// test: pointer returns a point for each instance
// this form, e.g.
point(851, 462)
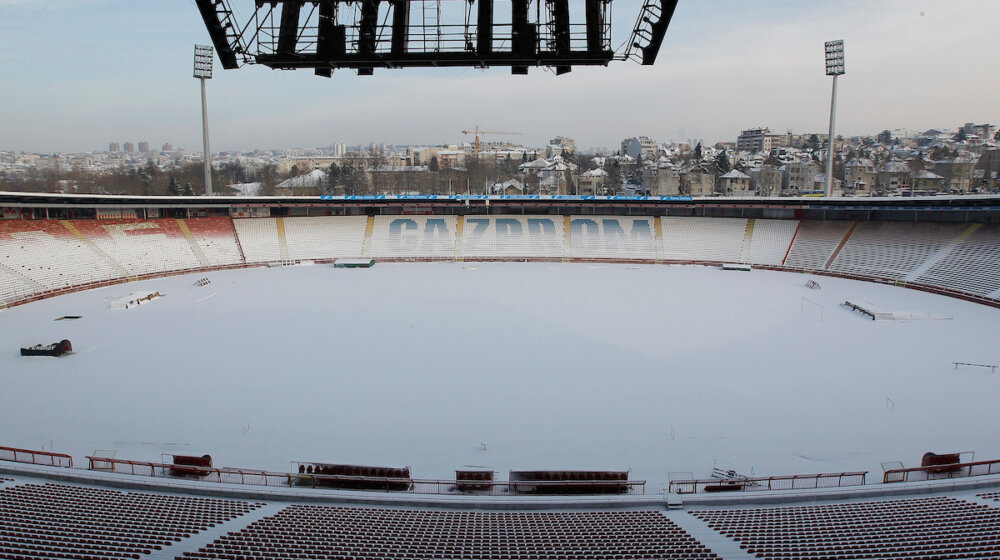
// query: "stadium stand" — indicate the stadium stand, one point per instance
point(306, 531)
point(703, 239)
point(216, 239)
point(769, 241)
point(972, 266)
point(39, 258)
point(606, 237)
point(325, 237)
point(141, 247)
point(13, 286)
point(512, 237)
point(937, 527)
point(259, 239)
point(48, 256)
point(414, 237)
point(892, 250)
point(815, 242)
point(68, 521)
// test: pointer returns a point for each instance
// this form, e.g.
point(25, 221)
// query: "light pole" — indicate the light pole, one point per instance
point(834, 67)
point(203, 57)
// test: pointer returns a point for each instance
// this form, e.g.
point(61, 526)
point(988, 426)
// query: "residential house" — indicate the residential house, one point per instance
point(735, 183)
point(661, 179)
point(860, 176)
point(893, 175)
point(799, 176)
point(957, 173)
point(640, 145)
point(927, 181)
point(697, 181)
point(766, 180)
point(591, 182)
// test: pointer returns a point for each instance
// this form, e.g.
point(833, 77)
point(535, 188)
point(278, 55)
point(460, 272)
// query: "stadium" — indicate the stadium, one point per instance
point(499, 377)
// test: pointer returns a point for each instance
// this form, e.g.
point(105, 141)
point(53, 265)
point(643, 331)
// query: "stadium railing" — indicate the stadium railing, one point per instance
point(787, 482)
point(209, 474)
point(957, 470)
point(385, 484)
point(36, 457)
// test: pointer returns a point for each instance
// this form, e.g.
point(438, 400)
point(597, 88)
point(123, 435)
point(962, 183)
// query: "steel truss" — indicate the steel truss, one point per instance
point(363, 35)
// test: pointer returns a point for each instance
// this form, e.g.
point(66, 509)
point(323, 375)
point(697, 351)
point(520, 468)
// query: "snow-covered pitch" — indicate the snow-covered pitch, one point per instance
point(437, 366)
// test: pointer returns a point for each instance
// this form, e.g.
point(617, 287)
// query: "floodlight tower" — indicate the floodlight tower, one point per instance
point(834, 67)
point(203, 57)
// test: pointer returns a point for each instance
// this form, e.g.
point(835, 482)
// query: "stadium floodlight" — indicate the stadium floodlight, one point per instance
point(203, 58)
point(834, 67)
point(834, 58)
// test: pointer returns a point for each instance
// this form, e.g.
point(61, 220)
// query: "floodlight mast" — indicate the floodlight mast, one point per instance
point(203, 58)
point(834, 67)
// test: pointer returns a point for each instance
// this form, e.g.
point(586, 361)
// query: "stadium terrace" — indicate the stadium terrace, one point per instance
point(248, 346)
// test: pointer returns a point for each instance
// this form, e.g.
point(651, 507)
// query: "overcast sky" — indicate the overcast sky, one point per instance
point(78, 74)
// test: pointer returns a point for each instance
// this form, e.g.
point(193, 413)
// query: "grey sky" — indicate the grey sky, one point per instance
point(79, 74)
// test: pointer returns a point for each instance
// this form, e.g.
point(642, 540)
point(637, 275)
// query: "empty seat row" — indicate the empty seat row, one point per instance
point(907, 528)
point(347, 532)
point(66, 521)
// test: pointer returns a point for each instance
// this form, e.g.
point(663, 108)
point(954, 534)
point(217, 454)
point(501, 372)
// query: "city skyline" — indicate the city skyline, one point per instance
point(111, 73)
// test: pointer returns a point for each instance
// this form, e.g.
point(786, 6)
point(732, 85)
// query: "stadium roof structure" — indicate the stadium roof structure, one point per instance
point(362, 35)
point(984, 208)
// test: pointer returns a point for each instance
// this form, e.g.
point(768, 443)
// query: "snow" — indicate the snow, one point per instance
point(311, 179)
point(651, 368)
point(246, 189)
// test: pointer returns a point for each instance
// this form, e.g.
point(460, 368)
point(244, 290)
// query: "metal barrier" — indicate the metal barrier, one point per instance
point(208, 474)
point(383, 484)
point(789, 482)
point(956, 470)
point(36, 457)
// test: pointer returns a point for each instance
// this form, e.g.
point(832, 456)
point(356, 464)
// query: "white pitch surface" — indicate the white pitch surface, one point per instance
point(569, 366)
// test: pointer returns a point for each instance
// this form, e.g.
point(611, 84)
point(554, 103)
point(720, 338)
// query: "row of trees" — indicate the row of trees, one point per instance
point(148, 180)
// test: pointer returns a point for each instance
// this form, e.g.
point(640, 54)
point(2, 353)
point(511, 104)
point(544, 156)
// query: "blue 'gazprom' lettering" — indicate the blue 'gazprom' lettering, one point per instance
point(541, 227)
point(614, 235)
point(436, 234)
point(584, 226)
point(508, 230)
point(479, 227)
point(474, 232)
point(397, 240)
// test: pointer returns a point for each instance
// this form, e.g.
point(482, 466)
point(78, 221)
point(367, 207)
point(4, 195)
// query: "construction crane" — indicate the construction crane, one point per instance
point(478, 132)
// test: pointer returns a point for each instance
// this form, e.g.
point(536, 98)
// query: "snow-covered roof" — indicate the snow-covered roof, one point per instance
point(924, 174)
point(311, 179)
point(860, 162)
point(540, 163)
point(510, 183)
point(894, 167)
point(734, 174)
